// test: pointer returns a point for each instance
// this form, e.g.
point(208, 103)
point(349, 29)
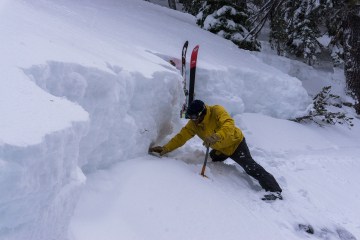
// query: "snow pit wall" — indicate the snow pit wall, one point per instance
point(127, 110)
point(40, 186)
point(41, 183)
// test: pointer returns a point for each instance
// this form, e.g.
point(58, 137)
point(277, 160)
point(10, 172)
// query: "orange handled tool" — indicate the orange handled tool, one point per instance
point(204, 165)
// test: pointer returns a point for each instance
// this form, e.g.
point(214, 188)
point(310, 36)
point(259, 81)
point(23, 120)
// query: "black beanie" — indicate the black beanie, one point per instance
point(195, 107)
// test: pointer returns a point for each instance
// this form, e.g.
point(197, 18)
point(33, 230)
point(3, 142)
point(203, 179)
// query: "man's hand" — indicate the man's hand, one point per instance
point(210, 140)
point(159, 149)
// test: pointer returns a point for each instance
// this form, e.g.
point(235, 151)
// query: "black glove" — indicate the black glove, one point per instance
point(159, 149)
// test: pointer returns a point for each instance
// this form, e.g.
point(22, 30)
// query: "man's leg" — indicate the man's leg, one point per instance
point(217, 156)
point(243, 157)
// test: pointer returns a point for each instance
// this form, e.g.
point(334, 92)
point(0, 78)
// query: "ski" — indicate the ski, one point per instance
point(193, 61)
point(183, 73)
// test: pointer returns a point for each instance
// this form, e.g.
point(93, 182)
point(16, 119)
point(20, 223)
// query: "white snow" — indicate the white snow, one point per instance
point(87, 86)
point(324, 40)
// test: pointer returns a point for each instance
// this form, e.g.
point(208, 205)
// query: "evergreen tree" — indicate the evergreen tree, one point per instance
point(278, 35)
point(229, 21)
point(326, 109)
point(332, 12)
point(342, 20)
point(352, 51)
point(304, 31)
point(294, 29)
point(192, 6)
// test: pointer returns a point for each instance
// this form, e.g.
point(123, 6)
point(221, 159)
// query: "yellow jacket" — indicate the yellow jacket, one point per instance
point(216, 120)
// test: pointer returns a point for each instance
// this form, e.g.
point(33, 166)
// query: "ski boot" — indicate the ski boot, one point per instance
point(272, 196)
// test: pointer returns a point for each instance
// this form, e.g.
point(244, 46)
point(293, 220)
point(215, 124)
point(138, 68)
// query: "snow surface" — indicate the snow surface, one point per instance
point(87, 86)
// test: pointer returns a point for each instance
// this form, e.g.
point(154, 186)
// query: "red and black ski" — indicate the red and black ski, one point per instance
point(183, 73)
point(193, 61)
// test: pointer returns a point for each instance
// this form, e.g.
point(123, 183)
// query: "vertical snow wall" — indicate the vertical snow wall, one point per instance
point(42, 182)
point(126, 109)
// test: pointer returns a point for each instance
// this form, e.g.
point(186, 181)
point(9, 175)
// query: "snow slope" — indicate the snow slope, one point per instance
point(87, 86)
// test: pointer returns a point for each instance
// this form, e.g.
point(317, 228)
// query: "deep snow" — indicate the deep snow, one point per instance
point(86, 87)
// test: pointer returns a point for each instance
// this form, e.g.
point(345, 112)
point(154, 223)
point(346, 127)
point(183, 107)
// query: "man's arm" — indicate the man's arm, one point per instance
point(180, 139)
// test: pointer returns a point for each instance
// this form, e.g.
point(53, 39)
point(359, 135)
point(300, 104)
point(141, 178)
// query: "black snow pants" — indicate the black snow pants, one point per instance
point(243, 157)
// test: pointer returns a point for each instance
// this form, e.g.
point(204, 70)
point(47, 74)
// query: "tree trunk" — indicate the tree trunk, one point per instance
point(172, 4)
point(352, 52)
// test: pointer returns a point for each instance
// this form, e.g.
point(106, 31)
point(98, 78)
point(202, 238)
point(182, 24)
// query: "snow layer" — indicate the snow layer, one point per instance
point(116, 102)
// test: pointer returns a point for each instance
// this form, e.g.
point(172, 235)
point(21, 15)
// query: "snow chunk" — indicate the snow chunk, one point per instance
point(245, 90)
point(40, 185)
point(117, 103)
point(29, 113)
point(225, 9)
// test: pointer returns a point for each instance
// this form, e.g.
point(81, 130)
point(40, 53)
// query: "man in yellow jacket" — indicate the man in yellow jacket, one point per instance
point(217, 129)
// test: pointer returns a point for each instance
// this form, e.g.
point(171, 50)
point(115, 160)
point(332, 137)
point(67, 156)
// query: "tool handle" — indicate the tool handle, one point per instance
point(205, 161)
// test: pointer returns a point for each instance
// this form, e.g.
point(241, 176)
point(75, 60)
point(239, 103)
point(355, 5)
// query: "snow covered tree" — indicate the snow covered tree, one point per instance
point(342, 22)
point(326, 109)
point(352, 51)
point(278, 36)
point(230, 21)
point(294, 29)
point(192, 6)
point(304, 31)
point(332, 12)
